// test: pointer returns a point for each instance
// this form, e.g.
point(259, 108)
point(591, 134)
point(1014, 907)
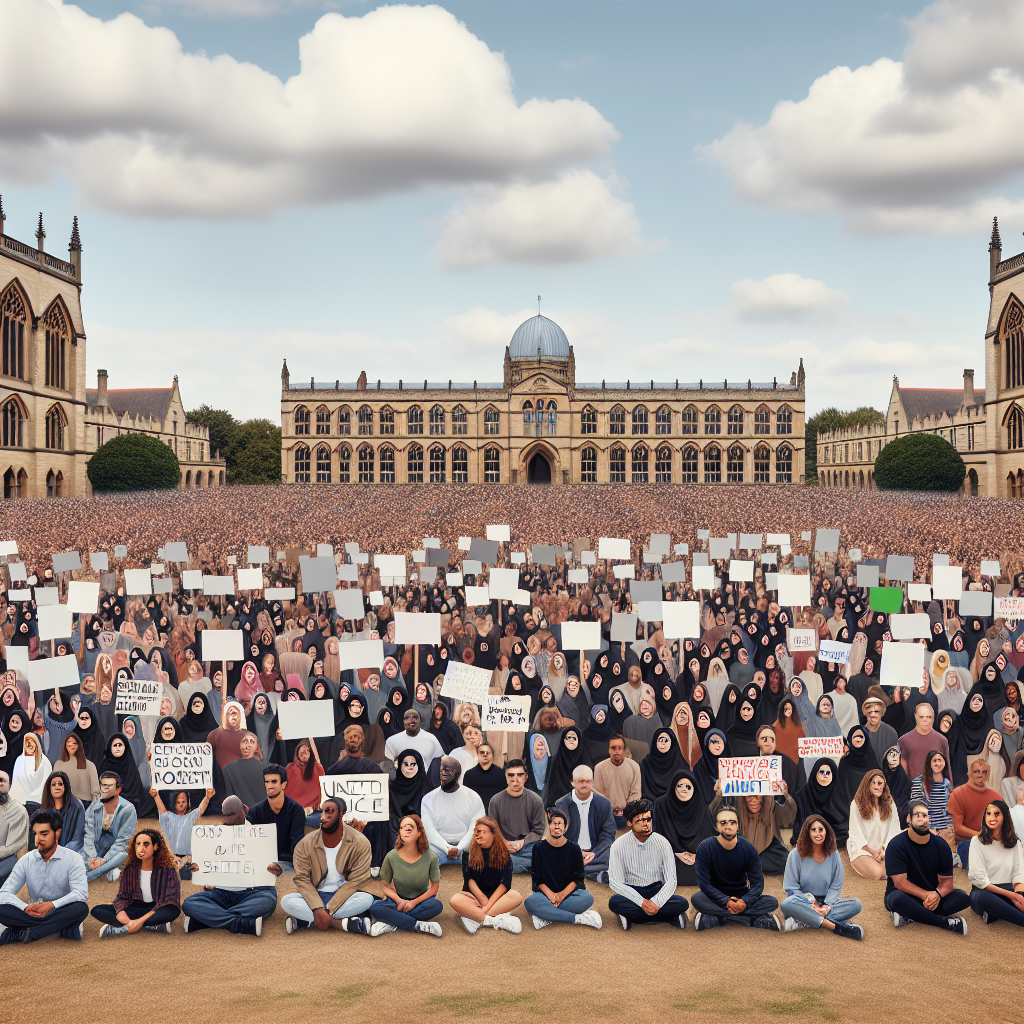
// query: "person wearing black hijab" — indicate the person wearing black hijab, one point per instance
point(975, 723)
point(948, 725)
point(388, 723)
point(408, 786)
point(897, 781)
point(89, 736)
point(743, 732)
point(728, 710)
point(685, 821)
point(198, 721)
point(597, 734)
point(714, 745)
point(15, 725)
point(618, 710)
point(558, 780)
point(662, 762)
point(445, 731)
point(819, 797)
point(853, 766)
point(121, 761)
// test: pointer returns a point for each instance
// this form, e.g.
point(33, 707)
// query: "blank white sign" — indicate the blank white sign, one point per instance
point(581, 636)
point(54, 621)
point(137, 581)
point(250, 579)
point(902, 664)
point(53, 673)
point(299, 719)
point(83, 596)
point(910, 627)
point(947, 582)
point(680, 620)
point(221, 645)
point(477, 596)
point(613, 547)
point(417, 628)
point(741, 571)
point(361, 654)
point(794, 591)
point(499, 533)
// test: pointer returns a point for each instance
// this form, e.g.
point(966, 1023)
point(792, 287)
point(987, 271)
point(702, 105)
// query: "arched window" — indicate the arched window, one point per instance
point(365, 420)
point(323, 464)
point(713, 465)
point(762, 417)
point(460, 421)
point(58, 336)
point(663, 420)
point(56, 423)
point(617, 465)
point(323, 420)
point(460, 465)
point(784, 464)
point(734, 465)
point(387, 465)
point(54, 484)
point(301, 420)
point(1012, 340)
point(414, 420)
point(344, 464)
point(762, 464)
point(492, 420)
point(13, 317)
point(617, 420)
point(437, 421)
point(437, 465)
point(12, 423)
point(640, 461)
point(640, 419)
point(688, 470)
point(492, 466)
point(688, 419)
point(188, 478)
point(344, 420)
point(414, 464)
point(588, 466)
point(366, 464)
point(784, 420)
point(302, 464)
point(735, 425)
point(713, 420)
point(552, 418)
point(1015, 428)
point(663, 465)
point(387, 421)
point(588, 420)
point(527, 418)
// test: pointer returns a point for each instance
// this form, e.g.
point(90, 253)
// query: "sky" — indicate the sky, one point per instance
point(704, 190)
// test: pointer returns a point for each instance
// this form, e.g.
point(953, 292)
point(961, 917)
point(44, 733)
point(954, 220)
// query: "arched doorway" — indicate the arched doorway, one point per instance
point(972, 482)
point(539, 470)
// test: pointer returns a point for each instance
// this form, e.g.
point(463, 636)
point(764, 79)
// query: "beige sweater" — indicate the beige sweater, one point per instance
point(619, 784)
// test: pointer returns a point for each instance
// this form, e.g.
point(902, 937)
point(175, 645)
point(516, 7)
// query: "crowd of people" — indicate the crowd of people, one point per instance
point(615, 781)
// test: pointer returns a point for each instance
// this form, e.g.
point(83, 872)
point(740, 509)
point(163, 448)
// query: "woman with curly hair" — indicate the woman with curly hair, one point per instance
point(874, 823)
point(487, 896)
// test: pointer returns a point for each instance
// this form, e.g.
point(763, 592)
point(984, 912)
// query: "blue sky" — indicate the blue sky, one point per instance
point(695, 189)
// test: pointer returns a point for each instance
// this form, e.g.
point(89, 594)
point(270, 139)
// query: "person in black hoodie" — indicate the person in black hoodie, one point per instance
point(485, 778)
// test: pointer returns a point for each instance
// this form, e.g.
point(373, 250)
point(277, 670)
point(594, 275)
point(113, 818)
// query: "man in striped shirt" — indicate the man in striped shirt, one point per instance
point(642, 873)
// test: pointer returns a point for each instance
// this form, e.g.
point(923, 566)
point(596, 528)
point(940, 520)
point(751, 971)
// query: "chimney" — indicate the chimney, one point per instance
point(968, 388)
point(101, 388)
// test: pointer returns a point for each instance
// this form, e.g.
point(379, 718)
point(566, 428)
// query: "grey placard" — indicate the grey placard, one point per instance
point(67, 561)
point(751, 541)
point(826, 540)
point(544, 554)
point(699, 558)
point(899, 567)
point(120, 550)
point(485, 551)
point(623, 627)
point(644, 590)
point(163, 585)
point(800, 561)
point(98, 561)
point(673, 572)
point(703, 534)
point(867, 575)
point(258, 554)
point(975, 602)
point(437, 556)
point(176, 551)
point(660, 543)
point(720, 547)
point(318, 574)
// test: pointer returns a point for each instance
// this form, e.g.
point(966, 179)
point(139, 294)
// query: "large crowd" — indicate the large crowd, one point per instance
point(618, 780)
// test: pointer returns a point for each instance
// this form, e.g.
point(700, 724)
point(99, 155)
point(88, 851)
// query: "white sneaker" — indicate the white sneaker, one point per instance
point(429, 928)
point(113, 876)
point(381, 928)
point(184, 922)
point(793, 925)
point(289, 925)
point(957, 863)
point(897, 921)
point(591, 918)
point(539, 922)
point(165, 927)
point(110, 931)
point(508, 923)
point(259, 926)
point(470, 925)
point(375, 872)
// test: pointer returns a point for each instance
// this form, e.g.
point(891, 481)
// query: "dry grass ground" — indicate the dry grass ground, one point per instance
point(568, 973)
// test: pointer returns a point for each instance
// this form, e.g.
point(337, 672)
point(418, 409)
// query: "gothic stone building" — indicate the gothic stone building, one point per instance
point(541, 426)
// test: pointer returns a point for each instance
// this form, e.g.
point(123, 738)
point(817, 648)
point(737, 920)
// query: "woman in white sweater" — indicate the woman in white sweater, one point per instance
point(874, 823)
point(996, 868)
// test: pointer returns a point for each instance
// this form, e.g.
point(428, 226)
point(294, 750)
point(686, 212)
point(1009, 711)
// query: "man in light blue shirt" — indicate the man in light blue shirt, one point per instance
point(57, 888)
point(109, 827)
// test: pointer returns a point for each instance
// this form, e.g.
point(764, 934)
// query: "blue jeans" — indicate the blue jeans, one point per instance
point(799, 908)
point(388, 912)
point(442, 856)
point(295, 906)
point(227, 909)
point(103, 845)
point(522, 860)
point(963, 848)
point(914, 909)
point(575, 903)
point(7, 866)
point(998, 908)
point(764, 904)
point(313, 820)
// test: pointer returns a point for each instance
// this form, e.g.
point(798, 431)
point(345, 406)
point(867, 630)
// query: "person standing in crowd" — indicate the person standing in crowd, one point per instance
point(487, 896)
point(591, 823)
point(13, 827)
point(281, 810)
point(559, 885)
point(618, 778)
point(450, 814)
point(881, 735)
point(997, 868)
point(915, 745)
point(519, 813)
point(109, 826)
point(413, 738)
point(967, 805)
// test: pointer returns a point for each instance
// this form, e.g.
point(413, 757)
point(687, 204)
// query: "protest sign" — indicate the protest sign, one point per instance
point(649, 611)
point(855, 554)
point(801, 640)
point(503, 584)
point(1010, 608)
point(258, 554)
point(581, 636)
point(250, 579)
point(673, 572)
point(349, 604)
point(579, 576)
point(474, 567)
point(750, 776)
point(794, 591)
point(17, 571)
point(390, 565)
point(46, 597)
point(376, 598)
point(54, 621)
point(176, 551)
point(886, 599)
point(417, 628)
point(834, 652)
point(990, 567)
point(360, 654)
point(750, 541)
point(910, 627)
point(67, 561)
point(509, 713)
point(899, 567)
point(719, 547)
point(680, 620)
point(466, 682)
point(588, 558)
point(192, 579)
point(703, 577)
point(280, 593)
point(182, 766)
point(8, 548)
point(366, 796)
point(741, 571)
point(318, 574)
point(219, 586)
point(826, 541)
point(516, 558)
point(644, 590)
point(454, 579)
point(477, 596)
point(975, 602)
point(919, 591)
point(83, 596)
point(235, 856)
point(624, 572)
point(902, 664)
point(138, 697)
point(17, 660)
point(221, 644)
point(613, 547)
point(53, 673)
point(623, 627)
point(867, 576)
point(484, 550)
point(819, 746)
point(98, 561)
point(137, 581)
point(947, 582)
point(120, 550)
point(499, 533)
point(19, 595)
point(298, 719)
point(659, 544)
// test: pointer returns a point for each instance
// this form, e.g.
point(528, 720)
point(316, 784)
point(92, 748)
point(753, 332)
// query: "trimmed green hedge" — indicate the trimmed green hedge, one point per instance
point(919, 462)
point(133, 462)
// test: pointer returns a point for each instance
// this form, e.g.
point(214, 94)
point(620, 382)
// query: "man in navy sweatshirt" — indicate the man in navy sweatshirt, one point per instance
point(730, 879)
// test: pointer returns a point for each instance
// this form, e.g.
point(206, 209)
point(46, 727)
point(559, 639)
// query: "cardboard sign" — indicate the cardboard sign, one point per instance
point(801, 640)
point(741, 571)
point(794, 591)
point(750, 776)
point(138, 697)
point(680, 620)
point(477, 596)
point(54, 621)
point(67, 561)
point(1006, 608)
point(220, 586)
point(221, 644)
point(250, 579)
point(280, 594)
point(360, 654)
point(919, 592)
point(137, 581)
point(819, 746)
point(466, 682)
point(176, 551)
point(417, 628)
point(613, 547)
point(581, 636)
point(484, 550)
point(673, 572)
point(53, 673)
point(298, 719)
point(234, 855)
point(366, 796)
point(902, 664)
point(947, 582)
point(182, 766)
point(508, 713)
point(834, 652)
point(910, 627)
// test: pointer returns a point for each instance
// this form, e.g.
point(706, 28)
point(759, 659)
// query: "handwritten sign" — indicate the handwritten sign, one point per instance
point(512, 714)
point(182, 766)
point(138, 697)
point(802, 640)
point(366, 796)
point(819, 746)
point(834, 652)
point(1010, 608)
point(466, 682)
point(750, 776)
point(234, 855)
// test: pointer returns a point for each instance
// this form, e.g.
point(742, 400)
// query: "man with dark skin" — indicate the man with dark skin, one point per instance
point(424, 743)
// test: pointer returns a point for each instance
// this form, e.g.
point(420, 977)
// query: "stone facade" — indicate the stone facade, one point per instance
point(539, 426)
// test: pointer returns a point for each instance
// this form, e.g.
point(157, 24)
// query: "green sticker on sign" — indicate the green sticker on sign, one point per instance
point(885, 599)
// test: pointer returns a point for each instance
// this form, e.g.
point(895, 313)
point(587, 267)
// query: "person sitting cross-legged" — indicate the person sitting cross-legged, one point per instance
point(487, 896)
point(109, 826)
point(559, 884)
point(591, 823)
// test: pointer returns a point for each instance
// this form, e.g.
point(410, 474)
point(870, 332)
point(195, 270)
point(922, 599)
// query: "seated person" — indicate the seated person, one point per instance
point(410, 877)
point(731, 881)
point(642, 873)
point(487, 896)
point(559, 886)
point(591, 823)
point(618, 778)
point(919, 887)
point(149, 890)
point(967, 805)
point(997, 868)
point(236, 909)
point(520, 814)
point(280, 810)
point(243, 777)
point(58, 796)
point(177, 825)
point(874, 823)
point(449, 814)
point(814, 884)
point(413, 738)
point(760, 820)
point(486, 778)
point(58, 891)
point(332, 874)
point(304, 773)
point(13, 827)
point(682, 817)
point(109, 826)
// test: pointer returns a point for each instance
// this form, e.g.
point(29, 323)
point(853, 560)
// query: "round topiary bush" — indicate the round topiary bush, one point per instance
point(133, 462)
point(919, 462)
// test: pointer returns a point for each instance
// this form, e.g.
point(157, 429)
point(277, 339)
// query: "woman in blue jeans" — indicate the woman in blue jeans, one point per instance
point(814, 884)
point(411, 876)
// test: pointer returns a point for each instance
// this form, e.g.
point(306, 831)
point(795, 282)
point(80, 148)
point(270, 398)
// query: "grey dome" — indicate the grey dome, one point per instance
point(539, 332)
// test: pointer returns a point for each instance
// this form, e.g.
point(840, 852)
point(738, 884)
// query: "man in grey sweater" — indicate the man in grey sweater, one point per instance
point(520, 813)
point(13, 828)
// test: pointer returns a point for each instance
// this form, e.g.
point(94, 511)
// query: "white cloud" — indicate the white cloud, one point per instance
point(925, 145)
point(573, 218)
point(784, 297)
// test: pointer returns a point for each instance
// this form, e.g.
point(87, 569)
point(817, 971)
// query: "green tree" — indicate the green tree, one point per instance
point(919, 462)
point(221, 424)
point(254, 455)
point(833, 419)
point(133, 462)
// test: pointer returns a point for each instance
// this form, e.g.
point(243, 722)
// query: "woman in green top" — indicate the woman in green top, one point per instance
point(411, 876)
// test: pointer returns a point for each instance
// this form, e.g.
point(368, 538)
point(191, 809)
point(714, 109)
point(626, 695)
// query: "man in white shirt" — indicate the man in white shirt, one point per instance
point(450, 814)
point(844, 706)
point(424, 743)
point(591, 823)
point(13, 828)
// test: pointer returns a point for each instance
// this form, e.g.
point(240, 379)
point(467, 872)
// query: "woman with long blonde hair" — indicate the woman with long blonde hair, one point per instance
point(874, 823)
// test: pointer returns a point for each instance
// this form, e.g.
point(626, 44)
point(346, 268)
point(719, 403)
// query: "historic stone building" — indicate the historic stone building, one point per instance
point(539, 425)
point(986, 425)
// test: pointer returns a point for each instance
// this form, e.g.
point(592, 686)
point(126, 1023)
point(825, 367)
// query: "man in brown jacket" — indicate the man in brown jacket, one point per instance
point(332, 874)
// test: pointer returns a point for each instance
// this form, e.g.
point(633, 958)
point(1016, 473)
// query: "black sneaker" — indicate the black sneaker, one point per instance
point(192, 924)
point(13, 936)
point(359, 925)
point(956, 924)
point(705, 922)
point(765, 921)
point(849, 931)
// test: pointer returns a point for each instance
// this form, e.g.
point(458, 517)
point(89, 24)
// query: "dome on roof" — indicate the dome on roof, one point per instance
point(539, 332)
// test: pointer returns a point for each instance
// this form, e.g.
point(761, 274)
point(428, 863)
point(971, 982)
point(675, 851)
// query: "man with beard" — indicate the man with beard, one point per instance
point(13, 827)
point(450, 814)
point(352, 762)
point(424, 743)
